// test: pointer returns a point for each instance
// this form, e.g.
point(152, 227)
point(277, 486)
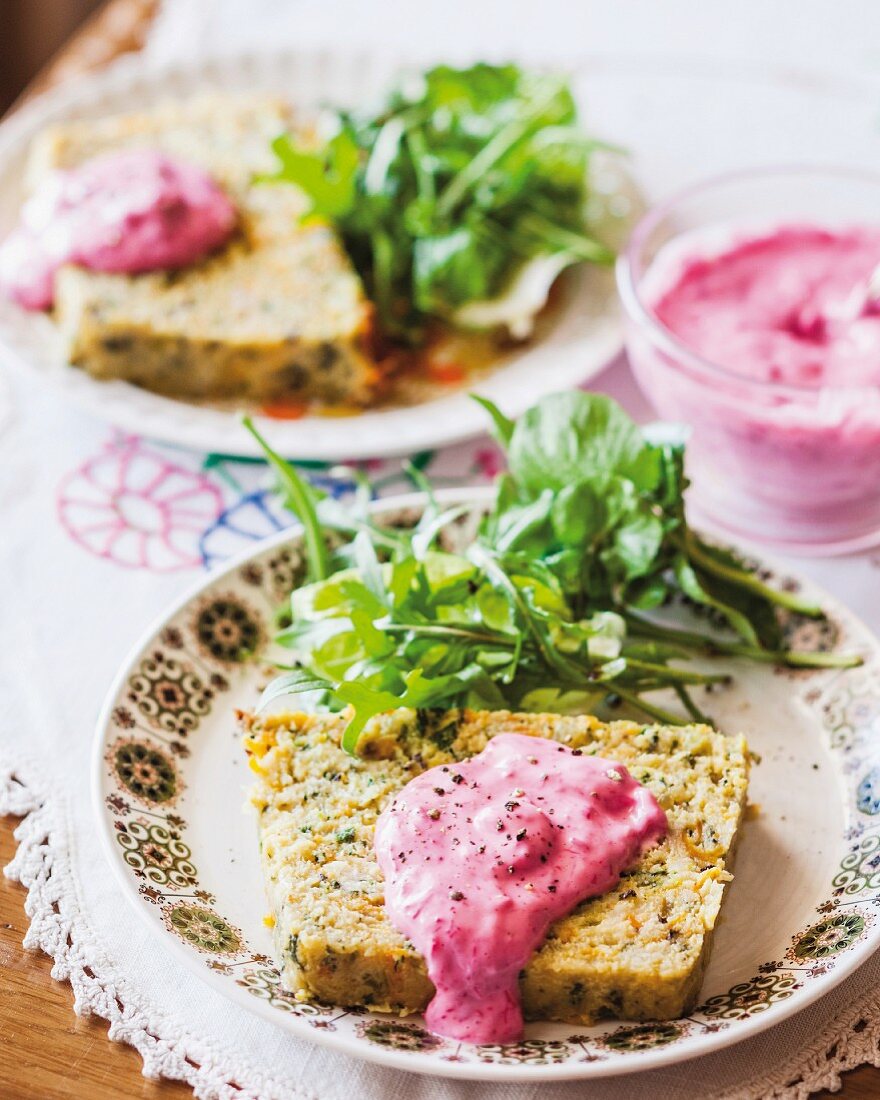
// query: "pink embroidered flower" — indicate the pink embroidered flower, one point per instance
point(131, 505)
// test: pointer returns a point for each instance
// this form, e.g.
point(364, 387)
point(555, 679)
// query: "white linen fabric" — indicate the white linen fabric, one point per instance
point(76, 589)
point(92, 548)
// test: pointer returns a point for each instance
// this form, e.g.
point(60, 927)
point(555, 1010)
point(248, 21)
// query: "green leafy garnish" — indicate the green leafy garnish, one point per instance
point(444, 195)
point(300, 498)
point(557, 602)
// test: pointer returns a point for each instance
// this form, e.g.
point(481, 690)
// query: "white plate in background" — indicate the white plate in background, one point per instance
point(578, 337)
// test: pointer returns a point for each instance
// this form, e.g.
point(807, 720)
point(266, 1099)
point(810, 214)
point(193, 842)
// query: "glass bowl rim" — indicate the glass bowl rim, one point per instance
point(659, 335)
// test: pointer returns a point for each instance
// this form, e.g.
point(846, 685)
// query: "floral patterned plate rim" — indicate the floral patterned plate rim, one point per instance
point(582, 336)
point(802, 912)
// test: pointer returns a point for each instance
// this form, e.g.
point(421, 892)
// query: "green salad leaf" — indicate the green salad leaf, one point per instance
point(557, 603)
point(442, 196)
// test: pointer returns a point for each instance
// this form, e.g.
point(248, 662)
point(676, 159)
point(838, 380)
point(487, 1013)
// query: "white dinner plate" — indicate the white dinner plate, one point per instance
point(679, 118)
point(575, 339)
point(799, 916)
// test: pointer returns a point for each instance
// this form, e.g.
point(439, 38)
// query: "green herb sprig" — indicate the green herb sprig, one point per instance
point(444, 194)
point(557, 604)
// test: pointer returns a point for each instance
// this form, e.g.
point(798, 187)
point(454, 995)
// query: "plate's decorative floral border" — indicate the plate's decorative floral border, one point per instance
point(192, 664)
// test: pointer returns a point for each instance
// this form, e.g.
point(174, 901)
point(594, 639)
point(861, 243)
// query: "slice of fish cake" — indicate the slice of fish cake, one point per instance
point(637, 952)
point(278, 314)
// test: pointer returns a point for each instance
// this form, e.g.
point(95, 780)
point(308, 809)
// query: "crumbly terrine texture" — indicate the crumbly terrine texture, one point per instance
point(276, 315)
point(637, 953)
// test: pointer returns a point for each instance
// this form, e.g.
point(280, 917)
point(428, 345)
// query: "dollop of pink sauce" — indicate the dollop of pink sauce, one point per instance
point(481, 857)
point(128, 212)
point(790, 305)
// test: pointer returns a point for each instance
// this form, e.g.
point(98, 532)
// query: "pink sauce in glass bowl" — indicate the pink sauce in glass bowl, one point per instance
point(748, 318)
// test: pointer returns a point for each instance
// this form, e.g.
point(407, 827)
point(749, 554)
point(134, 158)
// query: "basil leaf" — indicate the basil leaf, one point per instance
point(570, 438)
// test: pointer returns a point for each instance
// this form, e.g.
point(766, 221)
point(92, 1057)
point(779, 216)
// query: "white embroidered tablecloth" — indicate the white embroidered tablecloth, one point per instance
point(100, 531)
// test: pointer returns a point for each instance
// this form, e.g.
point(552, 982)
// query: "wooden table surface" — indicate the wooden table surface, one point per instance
point(46, 1051)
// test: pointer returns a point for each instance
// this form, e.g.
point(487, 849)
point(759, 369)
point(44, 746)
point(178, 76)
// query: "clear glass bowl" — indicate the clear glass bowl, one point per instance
point(790, 465)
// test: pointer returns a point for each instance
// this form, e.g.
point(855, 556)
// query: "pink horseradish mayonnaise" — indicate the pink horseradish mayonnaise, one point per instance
point(790, 305)
point(128, 212)
point(481, 857)
point(764, 339)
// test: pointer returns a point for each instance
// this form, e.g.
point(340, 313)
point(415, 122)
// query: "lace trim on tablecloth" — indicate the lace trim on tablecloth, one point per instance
point(60, 928)
point(853, 1042)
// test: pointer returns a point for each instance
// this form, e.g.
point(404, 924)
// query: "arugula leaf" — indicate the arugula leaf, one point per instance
point(446, 193)
point(691, 586)
point(724, 567)
point(367, 564)
point(327, 175)
point(302, 499)
point(292, 683)
point(587, 530)
point(502, 426)
point(418, 691)
point(430, 526)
